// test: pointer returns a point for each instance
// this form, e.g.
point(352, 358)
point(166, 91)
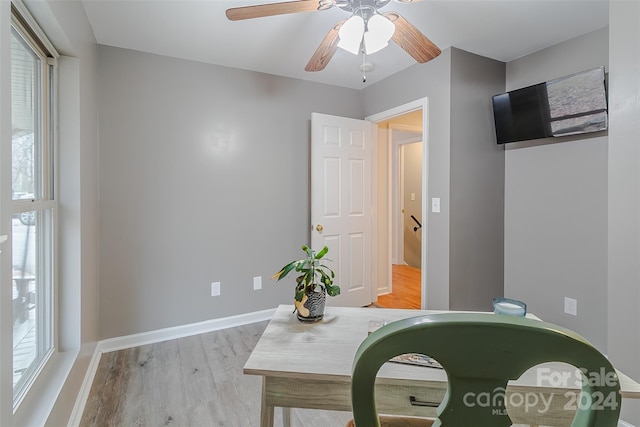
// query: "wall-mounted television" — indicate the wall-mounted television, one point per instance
point(569, 105)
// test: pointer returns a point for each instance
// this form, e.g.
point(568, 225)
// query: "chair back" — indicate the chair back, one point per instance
point(480, 353)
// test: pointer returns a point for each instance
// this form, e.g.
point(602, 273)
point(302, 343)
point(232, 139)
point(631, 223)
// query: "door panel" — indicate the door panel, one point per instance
point(341, 190)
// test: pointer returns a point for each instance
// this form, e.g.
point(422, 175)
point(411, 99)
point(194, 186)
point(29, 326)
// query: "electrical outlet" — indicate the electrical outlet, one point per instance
point(215, 289)
point(571, 306)
point(257, 283)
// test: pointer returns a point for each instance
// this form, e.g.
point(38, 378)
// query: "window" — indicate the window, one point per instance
point(32, 203)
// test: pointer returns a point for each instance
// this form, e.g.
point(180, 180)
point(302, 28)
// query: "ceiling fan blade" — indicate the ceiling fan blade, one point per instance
point(412, 40)
point(271, 9)
point(325, 51)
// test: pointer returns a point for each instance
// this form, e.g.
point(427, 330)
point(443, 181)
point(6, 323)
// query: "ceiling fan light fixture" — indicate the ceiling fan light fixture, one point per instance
point(373, 44)
point(379, 32)
point(365, 31)
point(351, 34)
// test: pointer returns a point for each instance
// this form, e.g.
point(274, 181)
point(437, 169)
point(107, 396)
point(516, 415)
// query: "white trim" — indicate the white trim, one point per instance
point(373, 251)
point(423, 104)
point(151, 337)
point(35, 410)
point(35, 41)
point(85, 389)
point(33, 24)
point(398, 111)
point(622, 423)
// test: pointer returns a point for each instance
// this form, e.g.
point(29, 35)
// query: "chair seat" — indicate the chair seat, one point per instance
point(401, 422)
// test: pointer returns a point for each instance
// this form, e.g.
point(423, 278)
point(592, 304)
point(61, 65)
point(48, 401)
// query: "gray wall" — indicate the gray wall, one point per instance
point(168, 179)
point(477, 184)
point(204, 177)
point(556, 204)
point(623, 324)
point(430, 80)
point(465, 170)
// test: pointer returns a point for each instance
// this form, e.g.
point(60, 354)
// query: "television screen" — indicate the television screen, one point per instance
point(566, 106)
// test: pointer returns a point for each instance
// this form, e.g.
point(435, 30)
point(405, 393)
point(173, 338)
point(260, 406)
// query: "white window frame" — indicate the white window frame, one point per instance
point(24, 24)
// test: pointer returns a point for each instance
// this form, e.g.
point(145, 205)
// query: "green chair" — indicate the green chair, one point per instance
point(481, 352)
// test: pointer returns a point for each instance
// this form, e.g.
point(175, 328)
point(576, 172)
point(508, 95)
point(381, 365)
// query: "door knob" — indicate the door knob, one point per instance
point(319, 228)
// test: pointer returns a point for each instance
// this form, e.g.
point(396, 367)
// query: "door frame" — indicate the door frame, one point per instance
point(388, 115)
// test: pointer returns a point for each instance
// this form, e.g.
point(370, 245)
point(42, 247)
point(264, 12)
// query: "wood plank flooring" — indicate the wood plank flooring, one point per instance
point(192, 381)
point(406, 288)
point(198, 380)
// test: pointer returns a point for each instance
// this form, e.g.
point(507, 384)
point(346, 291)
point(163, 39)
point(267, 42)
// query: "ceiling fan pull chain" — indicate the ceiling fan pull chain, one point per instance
point(364, 66)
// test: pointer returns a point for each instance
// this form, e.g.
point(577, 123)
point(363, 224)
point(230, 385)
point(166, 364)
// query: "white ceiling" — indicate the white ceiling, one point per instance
point(282, 45)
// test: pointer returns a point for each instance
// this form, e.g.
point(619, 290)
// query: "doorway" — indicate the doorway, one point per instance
point(401, 182)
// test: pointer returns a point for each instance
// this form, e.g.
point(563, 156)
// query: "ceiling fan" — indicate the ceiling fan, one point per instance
point(366, 31)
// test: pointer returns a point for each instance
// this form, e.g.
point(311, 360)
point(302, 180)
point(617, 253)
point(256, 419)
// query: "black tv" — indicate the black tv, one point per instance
point(569, 105)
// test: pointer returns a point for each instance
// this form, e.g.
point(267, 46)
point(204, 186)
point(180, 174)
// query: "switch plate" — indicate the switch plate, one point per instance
point(257, 283)
point(413, 196)
point(215, 289)
point(571, 306)
point(435, 204)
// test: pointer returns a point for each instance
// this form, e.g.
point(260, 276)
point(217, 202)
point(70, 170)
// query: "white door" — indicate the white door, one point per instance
point(341, 203)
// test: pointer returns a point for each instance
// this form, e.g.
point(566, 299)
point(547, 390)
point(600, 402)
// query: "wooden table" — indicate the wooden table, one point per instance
point(309, 366)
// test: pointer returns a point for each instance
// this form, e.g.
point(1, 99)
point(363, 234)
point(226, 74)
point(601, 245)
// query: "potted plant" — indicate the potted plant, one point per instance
point(314, 282)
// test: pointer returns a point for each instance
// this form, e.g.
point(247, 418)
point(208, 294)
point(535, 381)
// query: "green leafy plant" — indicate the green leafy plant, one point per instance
point(313, 274)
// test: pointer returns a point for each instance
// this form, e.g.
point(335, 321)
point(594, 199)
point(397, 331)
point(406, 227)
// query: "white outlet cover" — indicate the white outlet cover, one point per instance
point(215, 289)
point(257, 283)
point(570, 306)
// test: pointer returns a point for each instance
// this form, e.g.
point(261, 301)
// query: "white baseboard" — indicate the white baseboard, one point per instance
point(151, 337)
point(85, 389)
point(624, 424)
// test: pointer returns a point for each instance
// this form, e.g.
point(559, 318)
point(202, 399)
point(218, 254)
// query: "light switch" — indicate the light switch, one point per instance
point(435, 204)
point(413, 196)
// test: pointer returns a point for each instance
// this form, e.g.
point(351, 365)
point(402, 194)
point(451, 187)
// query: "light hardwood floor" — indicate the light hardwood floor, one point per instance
point(198, 380)
point(406, 288)
point(193, 381)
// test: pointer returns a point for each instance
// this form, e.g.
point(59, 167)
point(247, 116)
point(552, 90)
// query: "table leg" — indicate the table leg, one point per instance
point(266, 412)
point(286, 417)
